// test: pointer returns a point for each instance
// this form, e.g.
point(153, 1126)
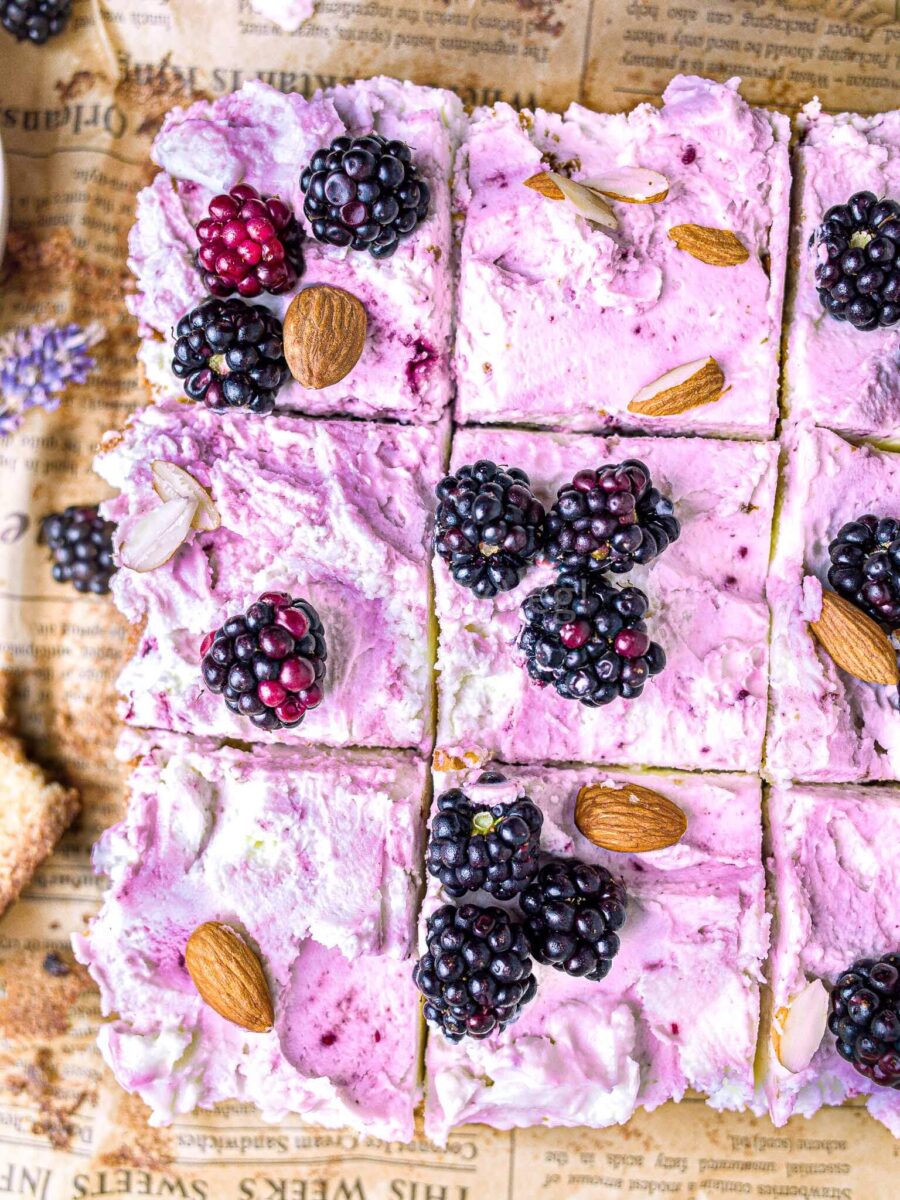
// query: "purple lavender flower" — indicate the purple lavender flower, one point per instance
point(37, 363)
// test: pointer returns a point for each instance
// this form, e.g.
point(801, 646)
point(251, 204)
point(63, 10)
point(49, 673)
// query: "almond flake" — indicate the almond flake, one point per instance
point(682, 388)
point(554, 186)
point(798, 1029)
point(630, 185)
point(717, 247)
point(543, 184)
point(172, 482)
point(156, 536)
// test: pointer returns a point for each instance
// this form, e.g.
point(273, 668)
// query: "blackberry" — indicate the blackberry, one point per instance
point(365, 193)
point(492, 847)
point(476, 976)
point(572, 912)
point(249, 244)
point(81, 542)
point(269, 662)
point(864, 1016)
point(858, 269)
point(588, 639)
point(865, 566)
point(488, 526)
point(35, 20)
point(609, 519)
point(231, 355)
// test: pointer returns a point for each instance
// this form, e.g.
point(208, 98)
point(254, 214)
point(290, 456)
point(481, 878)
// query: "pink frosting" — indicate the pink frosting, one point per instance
point(336, 512)
point(259, 136)
point(680, 1007)
point(824, 724)
point(265, 842)
point(838, 376)
point(707, 710)
point(836, 899)
point(559, 325)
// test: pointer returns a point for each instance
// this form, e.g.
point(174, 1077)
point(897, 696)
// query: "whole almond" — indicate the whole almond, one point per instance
point(324, 335)
point(629, 819)
point(229, 977)
point(682, 388)
point(718, 247)
point(854, 642)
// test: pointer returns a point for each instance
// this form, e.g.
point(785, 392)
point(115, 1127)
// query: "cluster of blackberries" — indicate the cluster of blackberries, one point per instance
point(268, 662)
point(858, 273)
point(81, 543)
point(865, 566)
point(365, 193)
point(35, 21)
point(231, 355)
point(488, 526)
point(477, 972)
point(589, 640)
point(864, 1016)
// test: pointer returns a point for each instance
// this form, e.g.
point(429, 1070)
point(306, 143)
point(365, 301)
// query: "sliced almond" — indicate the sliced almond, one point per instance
point(629, 819)
point(854, 642)
point(156, 536)
point(798, 1028)
point(324, 335)
point(717, 247)
point(682, 388)
point(544, 184)
point(229, 976)
point(630, 185)
point(171, 482)
point(554, 186)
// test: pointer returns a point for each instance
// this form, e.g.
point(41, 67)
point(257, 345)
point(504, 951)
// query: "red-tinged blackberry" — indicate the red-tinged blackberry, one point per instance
point(493, 847)
point(35, 20)
point(249, 244)
point(269, 662)
point(608, 519)
point(858, 268)
point(589, 640)
point(865, 558)
point(81, 542)
point(365, 193)
point(231, 355)
point(476, 975)
point(864, 1016)
point(572, 912)
point(488, 526)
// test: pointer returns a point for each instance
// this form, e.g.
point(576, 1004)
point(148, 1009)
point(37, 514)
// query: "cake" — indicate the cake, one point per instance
point(835, 900)
point(825, 725)
point(265, 841)
point(680, 1007)
point(838, 376)
point(260, 137)
point(707, 709)
point(561, 325)
point(331, 512)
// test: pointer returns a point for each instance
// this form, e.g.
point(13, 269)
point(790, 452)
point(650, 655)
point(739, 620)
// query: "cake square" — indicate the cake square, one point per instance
point(838, 376)
point(266, 842)
point(824, 724)
point(331, 512)
point(560, 325)
point(707, 709)
point(264, 138)
point(680, 1007)
point(835, 901)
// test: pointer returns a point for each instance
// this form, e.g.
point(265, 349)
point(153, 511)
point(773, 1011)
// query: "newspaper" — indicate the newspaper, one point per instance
point(77, 117)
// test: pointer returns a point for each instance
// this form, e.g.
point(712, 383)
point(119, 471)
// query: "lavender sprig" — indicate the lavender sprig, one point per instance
point(36, 365)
